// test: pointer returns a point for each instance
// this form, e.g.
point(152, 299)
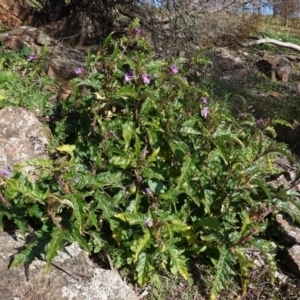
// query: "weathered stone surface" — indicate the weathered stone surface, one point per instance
point(62, 61)
point(78, 278)
point(293, 260)
point(278, 67)
point(22, 136)
point(12, 13)
point(290, 233)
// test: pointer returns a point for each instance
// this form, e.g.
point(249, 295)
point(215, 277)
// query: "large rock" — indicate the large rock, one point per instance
point(22, 137)
point(72, 277)
point(13, 13)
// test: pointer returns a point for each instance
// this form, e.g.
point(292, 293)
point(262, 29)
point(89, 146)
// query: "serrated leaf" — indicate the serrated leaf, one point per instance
point(132, 218)
point(153, 155)
point(208, 199)
point(245, 267)
point(67, 148)
point(290, 207)
point(186, 171)
point(142, 244)
point(143, 268)
point(115, 179)
point(193, 193)
point(79, 238)
point(223, 273)
point(122, 162)
point(178, 225)
point(25, 256)
point(107, 207)
point(77, 202)
point(177, 261)
point(56, 243)
point(126, 92)
point(263, 186)
point(267, 248)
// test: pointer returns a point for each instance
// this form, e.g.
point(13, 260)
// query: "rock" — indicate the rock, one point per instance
point(13, 13)
point(22, 137)
point(290, 234)
point(293, 260)
point(77, 279)
point(62, 61)
point(276, 66)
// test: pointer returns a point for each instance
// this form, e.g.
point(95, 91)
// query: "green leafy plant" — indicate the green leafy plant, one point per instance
point(151, 171)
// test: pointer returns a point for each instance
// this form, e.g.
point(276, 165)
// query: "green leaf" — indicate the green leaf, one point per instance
point(156, 186)
point(79, 238)
point(132, 218)
point(56, 243)
point(110, 179)
point(153, 155)
point(186, 171)
point(107, 207)
point(25, 256)
point(196, 196)
point(128, 130)
point(122, 162)
point(179, 149)
point(267, 248)
point(177, 261)
point(142, 244)
point(245, 267)
point(78, 203)
point(126, 92)
point(223, 273)
point(108, 39)
point(212, 222)
point(143, 268)
point(264, 187)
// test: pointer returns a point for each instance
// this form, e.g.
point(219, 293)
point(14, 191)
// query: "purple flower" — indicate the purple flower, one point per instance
point(204, 112)
point(149, 192)
point(243, 115)
point(32, 57)
point(76, 180)
point(112, 134)
point(204, 100)
point(146, 78)
point(174, 69)
point(137, 31)
point(79, 71)
point(144, 153)
point(259, 122)
point(129, 76)
point(139, 178)
point(5, 173)
point(149, 223)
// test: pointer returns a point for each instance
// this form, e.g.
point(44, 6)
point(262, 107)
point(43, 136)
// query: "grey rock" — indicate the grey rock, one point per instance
point(293, 260)
point(290, 234)
point(33, 282)
point(22, 137)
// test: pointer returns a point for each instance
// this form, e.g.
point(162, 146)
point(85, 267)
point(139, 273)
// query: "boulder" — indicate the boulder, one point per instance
point(276, 66)
point(72, 276)
point(22, 137)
